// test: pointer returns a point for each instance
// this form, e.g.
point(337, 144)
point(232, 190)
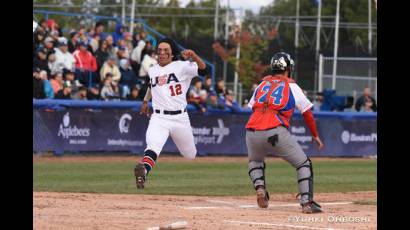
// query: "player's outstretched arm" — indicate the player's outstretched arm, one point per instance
point(144, 108)
point(311, 123)
point(186, 54)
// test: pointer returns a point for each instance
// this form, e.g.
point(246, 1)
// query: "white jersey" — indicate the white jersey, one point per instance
point(302, 103)
point(170, 83)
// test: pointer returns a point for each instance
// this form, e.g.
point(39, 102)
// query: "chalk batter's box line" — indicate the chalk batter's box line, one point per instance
point(233, 205)
point(277, 225)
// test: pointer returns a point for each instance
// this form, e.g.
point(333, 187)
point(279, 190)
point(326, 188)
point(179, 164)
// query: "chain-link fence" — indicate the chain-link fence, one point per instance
point(352, 75)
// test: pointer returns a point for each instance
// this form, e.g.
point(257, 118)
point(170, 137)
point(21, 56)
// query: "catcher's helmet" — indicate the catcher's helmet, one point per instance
point(281, 62)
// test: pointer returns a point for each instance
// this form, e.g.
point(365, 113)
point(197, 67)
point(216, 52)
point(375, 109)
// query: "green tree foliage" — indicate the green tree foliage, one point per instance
point(251, 49)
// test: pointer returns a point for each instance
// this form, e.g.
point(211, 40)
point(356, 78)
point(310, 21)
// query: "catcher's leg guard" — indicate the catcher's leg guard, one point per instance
point(257, 175)
point(305, 183)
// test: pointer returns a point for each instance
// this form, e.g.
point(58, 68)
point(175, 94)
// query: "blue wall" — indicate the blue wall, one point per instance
point(75, 126)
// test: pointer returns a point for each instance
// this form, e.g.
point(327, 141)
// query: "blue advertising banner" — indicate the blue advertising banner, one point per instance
point(105, 130)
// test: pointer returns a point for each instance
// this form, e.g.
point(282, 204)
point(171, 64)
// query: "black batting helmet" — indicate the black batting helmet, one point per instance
point(173, 45)
point(281, 62)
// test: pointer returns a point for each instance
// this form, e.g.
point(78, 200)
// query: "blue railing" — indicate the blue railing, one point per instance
point(136, 105)
point(46, 14)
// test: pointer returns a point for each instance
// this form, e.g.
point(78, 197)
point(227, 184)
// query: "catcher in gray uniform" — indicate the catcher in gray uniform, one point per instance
point(273, 103)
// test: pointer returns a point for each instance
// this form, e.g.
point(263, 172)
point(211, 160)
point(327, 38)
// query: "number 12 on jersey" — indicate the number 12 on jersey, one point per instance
point(177, 90)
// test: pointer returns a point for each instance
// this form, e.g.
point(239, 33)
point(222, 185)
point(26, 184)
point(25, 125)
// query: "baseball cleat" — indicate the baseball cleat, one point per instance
point(311, 207)
point(139, 172)
point(262, 197)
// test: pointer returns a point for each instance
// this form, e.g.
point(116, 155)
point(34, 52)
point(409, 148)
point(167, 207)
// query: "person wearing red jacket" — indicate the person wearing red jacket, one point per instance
point(85, 64)
point(273, 103)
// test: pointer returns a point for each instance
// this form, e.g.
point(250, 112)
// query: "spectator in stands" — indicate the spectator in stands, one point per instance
point(73, 43)
point(54, 28)
point(368, 105)
point(361, 101)
point(90, 32)
point(119, 32)
point(55, 36)
point(122, 53)
point(136, 53)
point(245, 104)
point(111, 45)
point(93, 93)
point(317, 103)
point(220, 88)
point(39, 36)
point(214, 102)
point(63, 57)
point(49, 46)
point(82, 36)
point(75, 84)
point(128, 41)
point(148, 61)
point(99, 30)
point(146, 49)
point(195, 95)
point(208, 84)
point(64, 93)
point(48, 89)
point(134, 95)
point(40, 61)
point(109, 90)
point(102, 54)
point(38, 85)
point(230, 102)
point(57, 82)
point(85, 64)
point(81, 94)
point(53, 65)
point(349, 106)
point(128, 78)
point(135, 39)
point(110, 66)
point(94, 43)
point(43, 25)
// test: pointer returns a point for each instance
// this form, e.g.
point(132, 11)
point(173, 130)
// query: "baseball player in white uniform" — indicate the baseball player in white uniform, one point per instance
point(169, 82)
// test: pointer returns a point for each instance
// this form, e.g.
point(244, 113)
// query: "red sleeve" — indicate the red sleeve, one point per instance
point(310, 122)
point(93, 63)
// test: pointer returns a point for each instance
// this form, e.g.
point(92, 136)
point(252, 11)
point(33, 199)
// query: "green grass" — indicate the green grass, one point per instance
point(199, 178)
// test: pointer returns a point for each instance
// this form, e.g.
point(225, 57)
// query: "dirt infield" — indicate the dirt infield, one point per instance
point(113, 211)
point(51, 210)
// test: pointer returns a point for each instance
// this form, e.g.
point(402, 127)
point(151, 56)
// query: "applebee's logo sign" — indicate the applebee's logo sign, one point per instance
point(67, 131)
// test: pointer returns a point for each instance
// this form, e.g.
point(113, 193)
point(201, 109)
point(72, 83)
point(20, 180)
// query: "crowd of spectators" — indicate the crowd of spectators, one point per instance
point(364, 103)
point(92, 64)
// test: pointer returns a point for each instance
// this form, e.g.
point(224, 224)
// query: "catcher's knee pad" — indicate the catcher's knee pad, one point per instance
point(305, 180)
point(257, 173)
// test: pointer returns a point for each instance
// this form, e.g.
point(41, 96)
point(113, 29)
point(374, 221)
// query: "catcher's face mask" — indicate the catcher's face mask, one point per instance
point(164, 52)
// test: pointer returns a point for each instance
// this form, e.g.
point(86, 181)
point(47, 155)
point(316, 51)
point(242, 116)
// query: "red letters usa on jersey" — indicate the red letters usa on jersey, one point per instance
point(273, 104)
